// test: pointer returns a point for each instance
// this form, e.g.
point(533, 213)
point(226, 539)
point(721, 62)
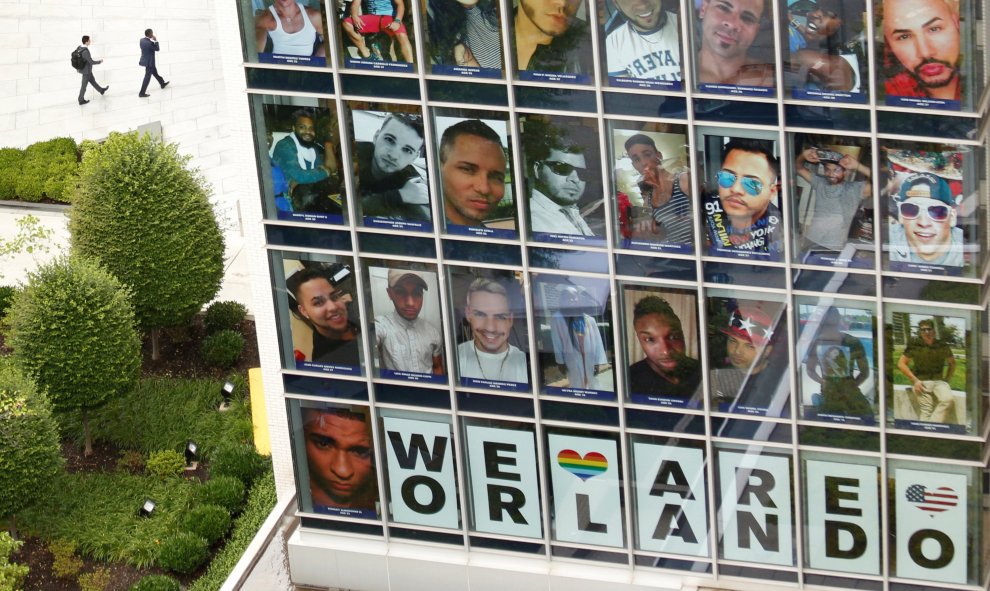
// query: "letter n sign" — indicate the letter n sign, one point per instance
point(505, 490)
point(422, 487)
point(756, 517)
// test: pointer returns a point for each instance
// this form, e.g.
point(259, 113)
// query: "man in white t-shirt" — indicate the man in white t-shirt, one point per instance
point(489, 355)
point(647, 45)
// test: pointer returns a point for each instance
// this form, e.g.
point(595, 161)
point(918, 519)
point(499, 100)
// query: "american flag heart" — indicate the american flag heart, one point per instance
point(935, 500)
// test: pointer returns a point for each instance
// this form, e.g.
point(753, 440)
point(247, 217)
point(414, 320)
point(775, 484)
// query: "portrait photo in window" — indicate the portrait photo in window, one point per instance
point(377, 34)
point(832, 188)
point(464, 38)
point(390, 172)
point(826, 53)
point(551, 41)
point(652, 183)
point(574, 341)
point(490, 331)
point(286, 32)
point(643, 44)
point(733, 47)
point(474, 163)
point(661, 346)
point(300, 159)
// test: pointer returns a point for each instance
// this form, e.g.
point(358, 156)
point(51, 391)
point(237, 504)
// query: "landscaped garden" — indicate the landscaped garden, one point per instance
point(118, 470)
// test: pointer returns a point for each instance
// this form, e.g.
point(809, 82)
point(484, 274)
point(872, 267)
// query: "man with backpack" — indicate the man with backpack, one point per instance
point(83, 63)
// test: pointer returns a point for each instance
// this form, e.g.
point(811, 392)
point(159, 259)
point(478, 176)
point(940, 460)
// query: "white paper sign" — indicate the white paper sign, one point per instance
point(584, 473)
point(931, 526)
point(843, 513)
point(671, 501)
point(505, 490)
point(755, 513)
point(421, 480)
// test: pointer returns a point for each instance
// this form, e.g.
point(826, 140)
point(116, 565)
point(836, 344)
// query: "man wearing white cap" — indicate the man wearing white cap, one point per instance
point(927, 231)
point(406, 342)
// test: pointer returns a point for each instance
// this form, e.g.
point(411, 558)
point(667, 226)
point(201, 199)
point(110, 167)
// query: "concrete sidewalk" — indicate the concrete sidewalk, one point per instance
point(13, 271)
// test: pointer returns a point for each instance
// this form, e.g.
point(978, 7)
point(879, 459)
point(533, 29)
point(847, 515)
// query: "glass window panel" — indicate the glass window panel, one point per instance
point(316, 304)
point(488, 313)
point(391, 243)
point(585, 261)
point(655, 267)
point(482, 252)
point(335, 459)
point(643, 45)
point(932, 369)
point(463, 39)
point(583, 413)
point(837, 352)
point(839, 438)
point(651, 180)
point(645, 105)
point(308, 237)
point(297, 80)
point(744, 274)
point(496, 95)
point(574, 340)
point(495, 404)
point(819, 117)
point(837, 282)
point(552, 43)
point(376, 36)
point(747, 354)
point(388, 87)
point(267, 39)
point(665, 421)
point(408, 330)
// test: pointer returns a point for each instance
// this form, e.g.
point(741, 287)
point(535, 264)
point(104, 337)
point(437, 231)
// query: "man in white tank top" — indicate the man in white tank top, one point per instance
point(293, 29)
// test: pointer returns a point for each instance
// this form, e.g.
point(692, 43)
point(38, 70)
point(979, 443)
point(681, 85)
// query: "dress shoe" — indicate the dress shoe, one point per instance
point(167, 82)
point(143, 95)
point(104, 91)
point(83, 102)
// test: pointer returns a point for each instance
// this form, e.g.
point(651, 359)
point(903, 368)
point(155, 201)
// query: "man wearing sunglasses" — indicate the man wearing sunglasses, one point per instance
point(929, 364)
point(837, 199)
point(926, 231)
point(741, 216)
point(559, 178)
point(322, 296)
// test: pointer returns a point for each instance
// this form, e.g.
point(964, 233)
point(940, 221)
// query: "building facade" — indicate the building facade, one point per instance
point(633, 294)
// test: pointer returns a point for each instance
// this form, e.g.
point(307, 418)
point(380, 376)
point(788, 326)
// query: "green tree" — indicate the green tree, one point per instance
point(72, 329)
point(29, 449)
point(146, 216)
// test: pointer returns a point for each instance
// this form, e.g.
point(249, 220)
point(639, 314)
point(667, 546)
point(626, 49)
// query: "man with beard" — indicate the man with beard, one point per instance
point(751, 381)
point(647, 45)
point(321, 298)
point(728, 29)
point(818, 55)
point(926, 232)
point(741, 215)
point(550, 37)
point(489, 356)
point(929, 364)
point(406, 342)
point(665, 371)
point(309, 167)
point(560, 175)
point(923, 37)
point(472, 172)
point(836, 199)
point(388, 183)
point(340, 456)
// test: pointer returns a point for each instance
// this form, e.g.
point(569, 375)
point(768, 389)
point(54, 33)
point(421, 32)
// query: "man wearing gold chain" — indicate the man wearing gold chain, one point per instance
point(489, 356)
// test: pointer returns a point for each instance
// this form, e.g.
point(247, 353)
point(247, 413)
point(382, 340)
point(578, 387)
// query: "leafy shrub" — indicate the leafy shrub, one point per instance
point(260, 502)
point(224, 315)
point(222, 349)
point(210, 522)
point(11, 574)
point(239, 460)
point(225, 491)
point(11, 161)
point(156, 583)
point(183, 552)
point(66, 564)
point(132, 462)
point(7, 293)
point(165, 464)
point(98, 580)
point(49, 169)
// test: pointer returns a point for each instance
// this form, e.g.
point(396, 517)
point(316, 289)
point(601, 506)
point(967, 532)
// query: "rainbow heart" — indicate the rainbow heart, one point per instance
point(592, 464)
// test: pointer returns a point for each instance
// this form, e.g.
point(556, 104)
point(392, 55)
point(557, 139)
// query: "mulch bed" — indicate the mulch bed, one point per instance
point(180, 358)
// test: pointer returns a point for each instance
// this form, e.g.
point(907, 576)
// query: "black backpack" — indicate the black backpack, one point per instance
point(77, 59)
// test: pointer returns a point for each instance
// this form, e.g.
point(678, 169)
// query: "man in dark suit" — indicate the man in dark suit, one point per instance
point(87, 71)
point(149, 45)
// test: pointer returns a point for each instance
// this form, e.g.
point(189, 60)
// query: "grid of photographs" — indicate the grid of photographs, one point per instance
point(925, 54)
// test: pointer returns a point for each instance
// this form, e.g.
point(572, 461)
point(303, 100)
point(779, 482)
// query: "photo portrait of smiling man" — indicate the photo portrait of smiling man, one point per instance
point(922, 55)
point(925, 230)
point(729, 30)
point(643, 41)
point(488, 355)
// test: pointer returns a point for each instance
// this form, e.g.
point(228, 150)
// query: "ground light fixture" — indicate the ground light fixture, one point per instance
point(147, 508)
point(192, 455)
point(227, 391)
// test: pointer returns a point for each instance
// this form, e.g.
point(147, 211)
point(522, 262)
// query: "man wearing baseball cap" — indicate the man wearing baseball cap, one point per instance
point(836, 198)
point(926, 232)
point(746, 382)
point(406, 342)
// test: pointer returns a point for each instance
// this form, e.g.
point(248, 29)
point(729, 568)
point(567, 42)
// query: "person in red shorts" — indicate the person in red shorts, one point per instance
point(378, 16)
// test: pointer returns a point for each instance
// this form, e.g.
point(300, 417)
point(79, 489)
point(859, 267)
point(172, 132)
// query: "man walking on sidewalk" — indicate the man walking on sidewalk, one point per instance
point(149, 45)
point(87, 71)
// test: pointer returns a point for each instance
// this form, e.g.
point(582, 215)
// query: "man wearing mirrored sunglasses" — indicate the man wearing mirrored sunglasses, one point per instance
point(559, 179)
point(322, 296)
point(741, 215)
point(926, 231)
